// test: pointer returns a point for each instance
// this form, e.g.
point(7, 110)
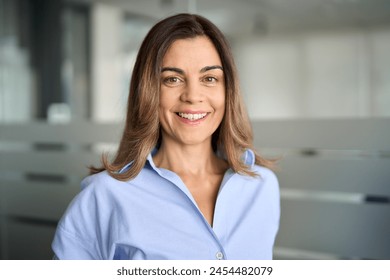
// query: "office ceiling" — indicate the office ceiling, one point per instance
point(236, 17)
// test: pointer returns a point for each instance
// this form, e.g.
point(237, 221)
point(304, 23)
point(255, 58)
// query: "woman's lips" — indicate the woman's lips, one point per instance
point(192, 117)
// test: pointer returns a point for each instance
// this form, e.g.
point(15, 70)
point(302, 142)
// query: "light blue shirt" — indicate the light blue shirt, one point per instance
point(154, 216)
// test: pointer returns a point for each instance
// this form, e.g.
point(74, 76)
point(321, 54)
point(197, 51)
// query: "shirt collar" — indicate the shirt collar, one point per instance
point(149, 160)
point(248, 157)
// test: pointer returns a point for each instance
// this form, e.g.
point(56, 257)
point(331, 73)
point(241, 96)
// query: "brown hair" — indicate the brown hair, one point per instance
point(142, 128)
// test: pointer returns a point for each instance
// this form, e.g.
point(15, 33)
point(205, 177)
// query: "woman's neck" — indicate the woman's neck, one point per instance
point(198, 159)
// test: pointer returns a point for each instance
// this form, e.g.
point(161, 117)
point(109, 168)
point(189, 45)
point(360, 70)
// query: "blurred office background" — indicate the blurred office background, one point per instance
point(315, 75)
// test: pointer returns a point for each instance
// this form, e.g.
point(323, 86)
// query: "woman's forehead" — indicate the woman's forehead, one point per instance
point(192, 51)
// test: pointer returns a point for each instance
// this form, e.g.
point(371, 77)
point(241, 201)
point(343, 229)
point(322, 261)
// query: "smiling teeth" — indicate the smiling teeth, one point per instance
point(192, 117)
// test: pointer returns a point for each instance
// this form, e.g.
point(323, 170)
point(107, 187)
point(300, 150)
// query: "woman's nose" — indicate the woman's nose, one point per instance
point(192, 92)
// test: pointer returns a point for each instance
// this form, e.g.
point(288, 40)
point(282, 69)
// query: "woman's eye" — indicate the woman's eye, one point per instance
point(210, 79)
point(171, 80)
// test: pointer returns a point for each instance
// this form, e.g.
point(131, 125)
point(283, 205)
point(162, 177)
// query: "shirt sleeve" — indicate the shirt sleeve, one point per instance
point(274, 196)
point(77, 235)
point(67, 246)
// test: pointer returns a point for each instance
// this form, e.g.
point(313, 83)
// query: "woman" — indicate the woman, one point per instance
point(186, 182)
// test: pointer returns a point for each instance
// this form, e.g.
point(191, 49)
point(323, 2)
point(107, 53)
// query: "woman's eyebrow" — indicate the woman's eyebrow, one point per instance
point(173, 69)
point(181, 71)
point(207, 68)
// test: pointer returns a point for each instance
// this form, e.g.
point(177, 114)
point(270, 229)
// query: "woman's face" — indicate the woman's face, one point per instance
point(192, 96)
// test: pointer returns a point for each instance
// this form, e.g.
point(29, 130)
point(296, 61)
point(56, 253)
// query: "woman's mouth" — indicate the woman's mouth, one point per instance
point(192, 117)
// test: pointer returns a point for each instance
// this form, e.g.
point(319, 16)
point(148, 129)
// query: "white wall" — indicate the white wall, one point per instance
point(17, 87)
point(106, 104)
point(380, 45)
point(321, 75)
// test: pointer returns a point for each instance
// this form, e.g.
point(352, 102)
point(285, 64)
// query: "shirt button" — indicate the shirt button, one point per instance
point(219, 256)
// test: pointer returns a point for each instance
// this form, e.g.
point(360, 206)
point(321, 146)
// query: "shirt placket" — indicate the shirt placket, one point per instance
point(220, 226)
point(175, 179)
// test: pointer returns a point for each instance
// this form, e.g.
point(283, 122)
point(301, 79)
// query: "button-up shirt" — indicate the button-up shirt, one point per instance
point(154, 216)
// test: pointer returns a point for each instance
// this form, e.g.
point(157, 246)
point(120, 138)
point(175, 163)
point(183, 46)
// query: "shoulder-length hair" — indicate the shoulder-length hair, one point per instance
point(142, 128)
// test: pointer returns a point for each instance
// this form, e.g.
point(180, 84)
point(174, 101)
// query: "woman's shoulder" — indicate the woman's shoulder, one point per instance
point(265, 173)
point(92, 189)
point(103, 184)
point(100, 179)
point(98, 191)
